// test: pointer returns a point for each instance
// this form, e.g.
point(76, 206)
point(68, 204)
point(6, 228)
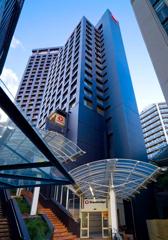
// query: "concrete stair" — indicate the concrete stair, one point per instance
point(4, 227)
point(60, 230)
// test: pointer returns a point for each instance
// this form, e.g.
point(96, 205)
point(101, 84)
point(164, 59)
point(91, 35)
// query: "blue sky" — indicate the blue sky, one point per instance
point(48, 23)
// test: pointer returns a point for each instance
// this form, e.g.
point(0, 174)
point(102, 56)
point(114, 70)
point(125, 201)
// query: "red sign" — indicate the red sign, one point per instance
point(115, 19)
point(60, 119)
point(57, 118)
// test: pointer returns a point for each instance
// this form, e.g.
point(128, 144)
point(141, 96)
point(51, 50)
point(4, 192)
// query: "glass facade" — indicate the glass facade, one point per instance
point(22, 161)
point(9, 14)
point(67, 198)
point(161, 9)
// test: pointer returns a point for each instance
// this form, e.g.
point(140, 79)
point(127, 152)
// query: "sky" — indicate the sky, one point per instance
point(49, 23)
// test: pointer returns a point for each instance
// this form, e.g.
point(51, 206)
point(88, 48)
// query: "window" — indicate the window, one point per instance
point(88, 42)
point(107, 108)
point(88, 83)
point(100, 110)
point(88, 53)
point(88, 103)
point(73, 84)
point(100, 100)
point(100, 27)
point(88, 66)
point(64, 103)
point(87, 92)
point(72, 103)
point(88, 74)
point(74, 76)
point(75, 68)
point(73, 94)
point(75, 62)
point(88, 59)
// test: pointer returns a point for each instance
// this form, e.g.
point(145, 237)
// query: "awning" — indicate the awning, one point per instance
point(63, 149)
point(127, 176)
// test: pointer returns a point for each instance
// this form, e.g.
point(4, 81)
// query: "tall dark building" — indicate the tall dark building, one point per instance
point(90, 81)
point(9, 14)
point(152, 17)
point(31, 89)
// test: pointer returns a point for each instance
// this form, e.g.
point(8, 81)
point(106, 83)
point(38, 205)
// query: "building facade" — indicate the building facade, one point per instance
point(88, 93)
point(31, 89)
point(90, 80)
point(9, 14)
point(152, 17)
point(154, 120)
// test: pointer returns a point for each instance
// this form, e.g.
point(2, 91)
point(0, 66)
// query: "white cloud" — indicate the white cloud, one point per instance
point(16, 43)
point(3, 116)
point(10, 79)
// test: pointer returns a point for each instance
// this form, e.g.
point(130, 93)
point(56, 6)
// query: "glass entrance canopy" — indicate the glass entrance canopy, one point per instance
point(126, 176)
point(29, 157)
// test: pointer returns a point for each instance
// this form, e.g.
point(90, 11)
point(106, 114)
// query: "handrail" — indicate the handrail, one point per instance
point(50, 226)
point(20, 222)
point(16, 220)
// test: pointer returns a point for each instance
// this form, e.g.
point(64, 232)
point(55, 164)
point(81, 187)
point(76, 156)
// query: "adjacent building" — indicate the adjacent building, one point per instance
point(154, 120)
point(31, 89)
point(152, 17)
point(9, 14)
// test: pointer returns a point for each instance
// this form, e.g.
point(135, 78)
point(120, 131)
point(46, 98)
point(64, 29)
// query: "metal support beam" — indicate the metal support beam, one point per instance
point(35, 199)
point(67, 199)
point(113, 211)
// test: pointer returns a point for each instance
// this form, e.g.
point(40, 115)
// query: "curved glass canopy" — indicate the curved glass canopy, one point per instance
point(64, 149)
point(125, 175)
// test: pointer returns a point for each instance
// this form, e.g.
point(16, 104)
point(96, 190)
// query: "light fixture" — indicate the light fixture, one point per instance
point(91, 190)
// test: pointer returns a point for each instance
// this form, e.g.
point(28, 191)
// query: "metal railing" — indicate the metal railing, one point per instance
point(17, 224)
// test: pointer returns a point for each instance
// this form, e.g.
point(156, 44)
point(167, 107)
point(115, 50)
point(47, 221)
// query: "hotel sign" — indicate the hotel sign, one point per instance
point(58, 119)
point(95, 205)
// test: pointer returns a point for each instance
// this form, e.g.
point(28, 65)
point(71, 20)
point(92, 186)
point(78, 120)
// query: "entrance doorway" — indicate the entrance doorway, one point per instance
point(95, 224)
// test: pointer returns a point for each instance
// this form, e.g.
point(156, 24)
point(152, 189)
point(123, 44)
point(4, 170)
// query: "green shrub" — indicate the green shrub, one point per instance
point(37, 228)
point(23, 205)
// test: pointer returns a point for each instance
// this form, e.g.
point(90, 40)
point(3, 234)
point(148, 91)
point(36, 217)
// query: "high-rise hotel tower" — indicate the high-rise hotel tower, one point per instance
point(90, 81)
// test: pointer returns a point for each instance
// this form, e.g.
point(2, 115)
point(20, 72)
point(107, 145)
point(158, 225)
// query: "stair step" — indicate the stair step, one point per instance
point(5, 238)
point(60, 231)
point(3, 226)
point(5, 234)
point(3, 222)
point(4, 230)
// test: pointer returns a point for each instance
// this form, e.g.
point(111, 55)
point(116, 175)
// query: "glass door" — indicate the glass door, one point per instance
point(105, 232)
point(84, 225)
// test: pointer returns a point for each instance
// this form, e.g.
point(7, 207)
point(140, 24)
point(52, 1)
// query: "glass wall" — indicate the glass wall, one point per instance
point(67, 198)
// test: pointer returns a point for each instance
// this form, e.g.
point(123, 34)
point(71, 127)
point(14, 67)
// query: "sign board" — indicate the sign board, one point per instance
point(95, 205)
point(57, 118)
